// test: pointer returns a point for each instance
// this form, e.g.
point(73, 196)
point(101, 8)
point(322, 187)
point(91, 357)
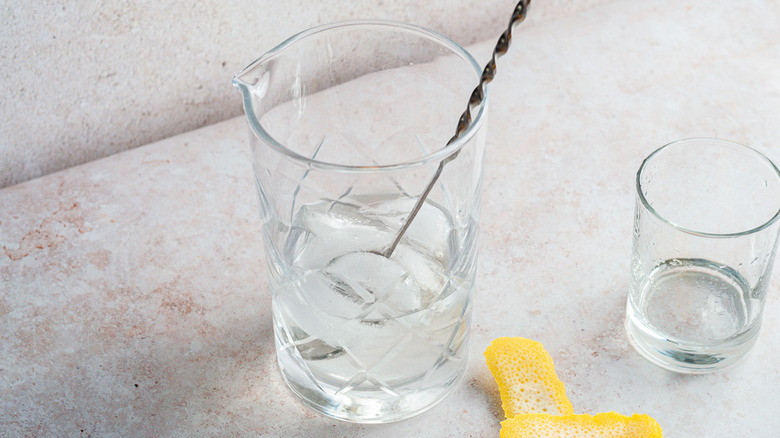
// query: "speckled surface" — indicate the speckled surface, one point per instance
point(133, 296)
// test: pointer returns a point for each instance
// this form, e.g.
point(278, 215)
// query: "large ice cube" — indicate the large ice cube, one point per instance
point(337, 229)
point(332, 295)
point(431, 230)
point(303, 320)
point(427, 272)
point(375, 278)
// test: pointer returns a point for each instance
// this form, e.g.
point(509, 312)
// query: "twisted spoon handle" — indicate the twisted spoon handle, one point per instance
point(477, 96)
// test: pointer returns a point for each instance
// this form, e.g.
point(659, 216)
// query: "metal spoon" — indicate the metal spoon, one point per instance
point(316, 349)
point(477, 96)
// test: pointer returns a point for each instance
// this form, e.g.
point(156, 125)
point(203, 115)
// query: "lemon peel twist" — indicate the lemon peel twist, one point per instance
point(604, 425)
point(526, 378)
point(535, 403)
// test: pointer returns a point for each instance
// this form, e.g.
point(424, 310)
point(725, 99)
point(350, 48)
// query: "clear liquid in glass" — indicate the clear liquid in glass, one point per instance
point(692, 314)
point(362, 337)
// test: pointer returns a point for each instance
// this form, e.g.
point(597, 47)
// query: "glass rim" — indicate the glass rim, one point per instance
point(438, 155)
point(720, 142)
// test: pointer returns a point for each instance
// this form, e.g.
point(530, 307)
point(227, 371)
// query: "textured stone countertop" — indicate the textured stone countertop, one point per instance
point(133, 294)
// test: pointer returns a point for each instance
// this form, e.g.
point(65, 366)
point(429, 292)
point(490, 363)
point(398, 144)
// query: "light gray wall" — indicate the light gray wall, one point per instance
point(80, 80)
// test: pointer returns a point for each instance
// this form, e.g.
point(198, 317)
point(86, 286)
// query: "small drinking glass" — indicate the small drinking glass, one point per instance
point(705, 234)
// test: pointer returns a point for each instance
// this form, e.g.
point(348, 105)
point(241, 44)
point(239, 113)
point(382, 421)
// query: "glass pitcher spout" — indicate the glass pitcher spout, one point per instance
point(252, 82)
point(253, 79)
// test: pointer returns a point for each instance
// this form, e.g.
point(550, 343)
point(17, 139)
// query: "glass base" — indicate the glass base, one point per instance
point(683, 357)
point(369, 407)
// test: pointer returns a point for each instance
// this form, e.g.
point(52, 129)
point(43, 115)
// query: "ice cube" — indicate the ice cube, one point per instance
point(431, 230)
point(301, 318)
point(337, 229)
point(376, 278)
point(392, 213)
point(427, 272)
point(327, 216)
point(330, 294)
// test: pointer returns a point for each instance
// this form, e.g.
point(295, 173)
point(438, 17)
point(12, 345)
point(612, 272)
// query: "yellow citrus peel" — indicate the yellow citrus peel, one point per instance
point(526, 378)
point(535, 403)
point(605, 425)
